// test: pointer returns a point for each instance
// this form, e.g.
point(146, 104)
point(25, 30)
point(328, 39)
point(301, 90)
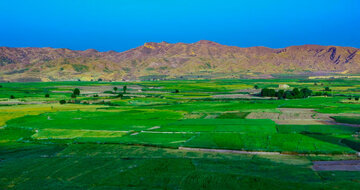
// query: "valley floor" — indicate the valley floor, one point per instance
point(205, 134)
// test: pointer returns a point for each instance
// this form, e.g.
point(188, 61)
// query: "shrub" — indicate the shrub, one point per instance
point(1, 86)
point(73, 96)
point(62, 102)
point(76, 92)
point(12, 97)
point(327, 89)
point(357, 98)
point(176, 91)
point(47, 95)
point(125, 88)
point(256, 87)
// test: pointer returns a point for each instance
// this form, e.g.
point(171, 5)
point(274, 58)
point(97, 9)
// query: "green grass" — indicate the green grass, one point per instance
point(347, 119)
point(132, 143)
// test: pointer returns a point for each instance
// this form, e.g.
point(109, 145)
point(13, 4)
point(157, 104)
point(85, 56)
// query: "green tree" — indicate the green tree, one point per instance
point(12, 97)
point(327, 89)
point(256, 87)
point(115, 89)
point(62, 102)
point(280, 94)
point(47, 95)
point(264, 92)
point(306, 92)
point(73, 95)
point(296, 93)
point(76, 92)
point(124, 89)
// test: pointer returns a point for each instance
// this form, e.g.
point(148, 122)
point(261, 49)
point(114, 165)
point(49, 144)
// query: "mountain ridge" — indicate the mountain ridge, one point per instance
point(202, 59)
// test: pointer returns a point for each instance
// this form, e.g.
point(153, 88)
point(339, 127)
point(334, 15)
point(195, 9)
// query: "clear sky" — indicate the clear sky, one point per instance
point(123, 24)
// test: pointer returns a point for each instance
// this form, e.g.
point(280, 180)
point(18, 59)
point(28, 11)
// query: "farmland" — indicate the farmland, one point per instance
point(178, 134)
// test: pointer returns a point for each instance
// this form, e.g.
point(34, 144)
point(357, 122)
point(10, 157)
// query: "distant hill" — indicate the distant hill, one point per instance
point(203, 59)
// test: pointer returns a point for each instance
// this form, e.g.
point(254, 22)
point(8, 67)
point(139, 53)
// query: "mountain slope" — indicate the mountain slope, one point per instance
point(157, 60)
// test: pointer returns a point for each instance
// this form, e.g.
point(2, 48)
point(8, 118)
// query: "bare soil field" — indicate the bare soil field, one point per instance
point(343, 165)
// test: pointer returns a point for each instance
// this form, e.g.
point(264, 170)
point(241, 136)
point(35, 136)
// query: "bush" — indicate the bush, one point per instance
point(73, 96)
point(12, 97)
point(357, 98)
point(62, 102)
point(256, 87)
point(176, 91)
point(47, 95)
point(327, 89)
point(76, 92)
point(1, 86)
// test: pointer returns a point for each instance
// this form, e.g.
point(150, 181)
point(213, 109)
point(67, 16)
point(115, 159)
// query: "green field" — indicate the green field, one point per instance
point(177, 135)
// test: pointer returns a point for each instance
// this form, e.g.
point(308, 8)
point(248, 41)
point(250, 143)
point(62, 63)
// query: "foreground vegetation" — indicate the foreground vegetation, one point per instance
point(83, 135)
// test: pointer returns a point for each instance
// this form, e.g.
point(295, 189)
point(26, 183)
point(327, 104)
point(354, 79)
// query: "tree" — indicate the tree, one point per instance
point(264, 92)
point(73, 95)
point(0, 86)
point(327, 89)
point(289, 95)
point(296, 93)
point(124, 89)
point(47, 95)
point(306, 92)
point(176, 91)
point(357, 98)
point(272, 93)
point(100, 79)
point(256, 87)
point(12, 97)
point(76, 92)
point(268, 92)
point(280, 94)
point(120, 95)
point(115, 89)
point(62, 102)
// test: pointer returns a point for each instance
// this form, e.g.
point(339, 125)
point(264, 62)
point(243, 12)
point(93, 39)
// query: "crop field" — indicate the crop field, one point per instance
point(181, 134)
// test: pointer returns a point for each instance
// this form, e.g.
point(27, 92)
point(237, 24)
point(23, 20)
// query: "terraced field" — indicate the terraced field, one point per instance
point(178, 135)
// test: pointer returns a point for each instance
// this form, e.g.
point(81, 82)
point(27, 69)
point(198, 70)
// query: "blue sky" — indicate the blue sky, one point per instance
point(123, 24)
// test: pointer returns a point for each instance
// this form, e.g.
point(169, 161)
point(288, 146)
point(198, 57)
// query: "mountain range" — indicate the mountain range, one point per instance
point(156, 61)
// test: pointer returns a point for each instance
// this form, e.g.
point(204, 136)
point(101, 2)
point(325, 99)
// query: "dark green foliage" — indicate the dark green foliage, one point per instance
point(73, 96)
point(12, 97)
point(47, 95)
point(268, 92)
point(306, 92)
point(256, 87)
point(76, 92)
point(115, 88)
point(124, 89)
point(327, 89)
point(100, 79)
point(1, 86)
point(176, 91)
point(120, 95)
point(357, 98)
point(62, 102)
point(281, 94)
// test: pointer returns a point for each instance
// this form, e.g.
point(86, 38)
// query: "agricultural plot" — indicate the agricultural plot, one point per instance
point(153, 135)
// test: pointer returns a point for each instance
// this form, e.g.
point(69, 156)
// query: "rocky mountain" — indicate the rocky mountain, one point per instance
point(203, 59)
